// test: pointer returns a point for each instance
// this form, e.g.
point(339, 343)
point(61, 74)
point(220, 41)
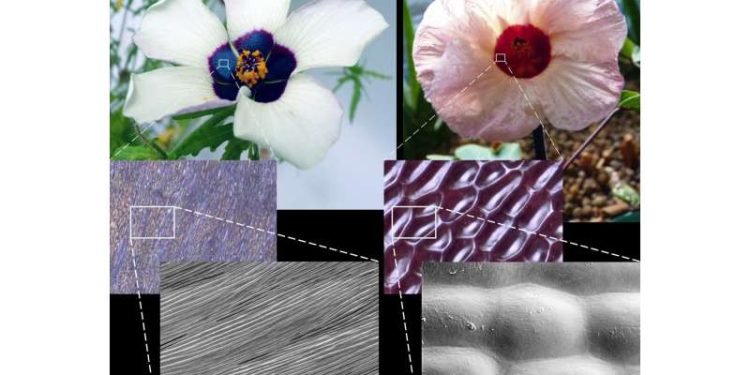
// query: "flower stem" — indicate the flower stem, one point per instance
point(589, 139)
point(540, 151)
point(254, 153)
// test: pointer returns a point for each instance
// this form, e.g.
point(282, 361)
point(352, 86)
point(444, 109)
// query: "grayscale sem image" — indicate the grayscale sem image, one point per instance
point(524, 319)
point(150, 221)
point(498, 211)
point(269, 318)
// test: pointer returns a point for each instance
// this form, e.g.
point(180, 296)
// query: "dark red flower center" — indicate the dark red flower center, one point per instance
point(523, 51)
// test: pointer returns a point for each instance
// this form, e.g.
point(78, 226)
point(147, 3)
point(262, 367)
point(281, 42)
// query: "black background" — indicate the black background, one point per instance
point(619, 238)
point(127, 351)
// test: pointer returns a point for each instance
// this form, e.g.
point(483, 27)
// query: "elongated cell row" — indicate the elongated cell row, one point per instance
point(527, 319)
point(283, 318)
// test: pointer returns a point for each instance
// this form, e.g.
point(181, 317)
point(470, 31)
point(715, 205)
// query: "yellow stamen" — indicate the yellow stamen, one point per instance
point(251, 67)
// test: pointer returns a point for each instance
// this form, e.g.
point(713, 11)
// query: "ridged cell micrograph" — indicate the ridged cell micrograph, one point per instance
point(523, 318)
point(469, 211)
point(283, 318)
point(168, 212)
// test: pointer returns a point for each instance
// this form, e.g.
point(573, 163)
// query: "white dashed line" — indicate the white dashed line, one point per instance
point(393, 153)
point(403, 313)
point(140, 307)
point(536, 114)
point(310, 243)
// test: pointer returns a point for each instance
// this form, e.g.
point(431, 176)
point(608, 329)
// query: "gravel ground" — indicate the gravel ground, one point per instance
point(613, 156)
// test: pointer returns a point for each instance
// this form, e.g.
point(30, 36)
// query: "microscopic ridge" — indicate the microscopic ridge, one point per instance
point(426, 203)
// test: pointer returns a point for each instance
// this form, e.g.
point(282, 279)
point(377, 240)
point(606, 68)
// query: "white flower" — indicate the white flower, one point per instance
point(276, 106)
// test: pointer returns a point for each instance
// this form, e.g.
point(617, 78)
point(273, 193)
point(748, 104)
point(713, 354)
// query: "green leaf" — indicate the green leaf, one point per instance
point(474, 152)
point(628, 217)
point(356, 96)
point(627, 194)
point(374, 74)
point(636, 56)
point(211, 134)
point(120, 130)
point(234, 149)
point(415, 91)
point(212, 111)
point(440, 157)
point(340, 82)
point(356, 69)
point(438, 124)
point(632, 11)
point(356, 74)
point(630, 100)
point(135, 152)
point(509, 151)
point(409, 107)
point(254, 153)
point(631, 51)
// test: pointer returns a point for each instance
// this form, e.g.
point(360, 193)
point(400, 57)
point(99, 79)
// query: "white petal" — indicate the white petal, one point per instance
point(573, 94)
point(326, 33)
point(184, 32)
point(300, 127)
point(244, 16)
point(179, 89)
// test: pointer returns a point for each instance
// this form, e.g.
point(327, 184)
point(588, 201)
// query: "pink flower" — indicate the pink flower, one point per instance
point(563, 53)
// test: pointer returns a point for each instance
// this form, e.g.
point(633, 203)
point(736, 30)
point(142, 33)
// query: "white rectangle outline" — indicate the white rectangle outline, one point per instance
point(434, 236)
point(174, 223)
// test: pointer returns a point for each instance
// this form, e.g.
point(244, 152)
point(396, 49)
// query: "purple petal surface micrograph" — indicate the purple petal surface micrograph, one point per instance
point(468, 211)
point(150, 221)
point(523, 318)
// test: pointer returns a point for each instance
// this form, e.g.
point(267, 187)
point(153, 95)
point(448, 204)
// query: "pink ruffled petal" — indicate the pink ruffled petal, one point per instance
point(591, 30)
point(472, 22)
point(476, 99)
point(573, 94)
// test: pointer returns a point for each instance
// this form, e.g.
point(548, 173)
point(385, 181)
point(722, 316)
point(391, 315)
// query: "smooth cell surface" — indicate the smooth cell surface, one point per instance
point(458, 360)
point(497, 211)
point(544, 319)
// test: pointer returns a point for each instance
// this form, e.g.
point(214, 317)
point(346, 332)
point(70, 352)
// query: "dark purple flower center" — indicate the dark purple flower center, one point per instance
point(259, 64)
point(525, 49)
